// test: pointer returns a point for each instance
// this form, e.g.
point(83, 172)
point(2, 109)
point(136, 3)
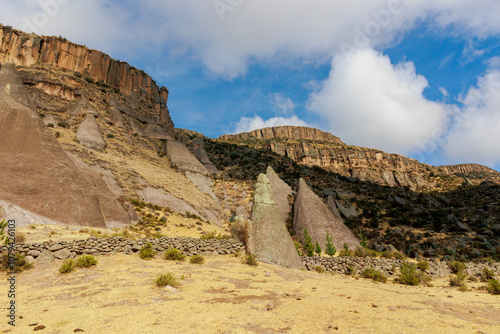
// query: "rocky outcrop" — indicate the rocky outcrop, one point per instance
point(37, 175)
point(202, 156)
point(29, 49)
point(181, 157)
point(467, 168)
point(310, 212)
point(290, 132)
point(268, 238)
point(281, 193)
point(89, 134)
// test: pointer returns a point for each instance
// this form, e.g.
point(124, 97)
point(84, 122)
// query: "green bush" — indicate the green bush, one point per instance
point(330, 247)
point(457, 280)
point(86, 261)
point(166, 279)
point(147, 252)
point(50, 125)
point(20, 263)
point(318, 248)
point(494, 287)
point(308, 245)
point(456, 266)
point(251, 260)
point(174, 254)
point(374, 275)
point(487, 275)
point(410, 275)
point(67, 266)
point(423, 265)
point(197, 259)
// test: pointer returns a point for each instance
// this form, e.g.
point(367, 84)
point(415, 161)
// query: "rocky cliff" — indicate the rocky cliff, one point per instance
point(24, 49)
point(467, 168)
point(291, 132)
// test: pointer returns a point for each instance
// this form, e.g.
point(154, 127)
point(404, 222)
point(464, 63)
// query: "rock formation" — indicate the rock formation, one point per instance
point(201, 155)
point(89, 134)
point(281, 192)
point(290, 132)
point(268, 238)
point(29, 49)
point(310, 212)
point(181, 157)
point(466, 168)
point(37, 175)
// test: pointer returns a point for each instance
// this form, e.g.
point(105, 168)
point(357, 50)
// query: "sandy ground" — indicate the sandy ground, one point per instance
point(226, 296)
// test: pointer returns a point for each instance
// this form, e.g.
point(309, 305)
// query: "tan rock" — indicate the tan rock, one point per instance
point(268, 238)
point(310, 212)
point(89, 133)
point(281, 191)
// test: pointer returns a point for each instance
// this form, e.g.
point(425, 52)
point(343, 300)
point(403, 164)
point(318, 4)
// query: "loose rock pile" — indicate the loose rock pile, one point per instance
point(389, 267)
point(106, 246)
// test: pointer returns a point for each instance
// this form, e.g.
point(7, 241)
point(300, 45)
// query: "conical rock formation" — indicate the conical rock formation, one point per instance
point(310, 212)
point(281, 192)
point(37, 175)
point(268, 238)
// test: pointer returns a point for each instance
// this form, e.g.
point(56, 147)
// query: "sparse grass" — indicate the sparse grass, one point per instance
point(374, 275)
point(20, 264)
point(67, 266)
point(410, 275)
point(464, 288)
point(493, 287)
point(86, 261)
point(215, 235)
point(251, 260)
point(174, 254)
point(166, 279)
point(20, 237)
point(147, 251)
point(197, 259)
point(320, 269)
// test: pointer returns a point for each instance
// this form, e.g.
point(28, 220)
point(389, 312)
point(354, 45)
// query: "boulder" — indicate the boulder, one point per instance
point(202, 156)
point(59, 187)
point(281, 192)
point(89, 134)
point(181, 157)
point(268, 238)
point(310, 212)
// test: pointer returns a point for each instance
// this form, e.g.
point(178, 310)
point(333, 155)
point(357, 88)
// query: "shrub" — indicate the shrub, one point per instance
point(174, 254)
point(374, 275)
point(487, 275)
point(423, 265)
point(410, 275)
point(318, 248)
point(89, 80)
point(20, 237)
point(239, 231)
point(308, 245)
point(147, 252)
point(20, 263)
point(166, 279)
point(457, 280)
point(197, 259)
point(456, 266)
point(330, 247)
point(251, 260)
point(110, 135)
point(86, 261)
point(62, 125)
point(67, 266)
point(320, 269)
point(494, 287)
point(50, 125)
point(214, 235)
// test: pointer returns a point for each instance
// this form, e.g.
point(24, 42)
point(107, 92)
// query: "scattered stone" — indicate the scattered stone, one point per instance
point(39, 328)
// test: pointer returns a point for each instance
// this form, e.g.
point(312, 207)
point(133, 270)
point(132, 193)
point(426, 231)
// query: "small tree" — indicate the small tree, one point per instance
point(346, 248)
point(308, 245)
point(364, 240)
point(330, 247)
point(318, 248)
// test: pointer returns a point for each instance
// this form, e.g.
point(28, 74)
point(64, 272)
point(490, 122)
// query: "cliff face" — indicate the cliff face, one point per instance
point(466, 168)
point(291, 132)
point(28, 49)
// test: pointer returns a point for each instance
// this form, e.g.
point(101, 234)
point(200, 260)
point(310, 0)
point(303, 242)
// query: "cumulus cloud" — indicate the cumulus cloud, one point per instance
point(474, 135)
point(367, 101)
point(247, 124)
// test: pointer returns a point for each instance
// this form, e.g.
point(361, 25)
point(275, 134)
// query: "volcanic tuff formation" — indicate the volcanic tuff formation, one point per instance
point(38, 175)
point(29, 49)
point(281, 193)
point(310, 212)
point(268, 238)
point(291, 132)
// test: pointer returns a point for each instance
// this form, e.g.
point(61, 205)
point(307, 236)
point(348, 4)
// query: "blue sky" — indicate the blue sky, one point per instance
point(419, 78)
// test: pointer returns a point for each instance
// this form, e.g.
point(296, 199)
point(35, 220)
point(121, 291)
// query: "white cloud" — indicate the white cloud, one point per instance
point(247, 124)
point(444, 92)
point(474, 136)
point(367, 101)
point(283, 104)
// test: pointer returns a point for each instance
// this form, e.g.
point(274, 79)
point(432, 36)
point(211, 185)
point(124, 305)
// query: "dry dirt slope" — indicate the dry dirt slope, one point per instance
point(225, 296)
